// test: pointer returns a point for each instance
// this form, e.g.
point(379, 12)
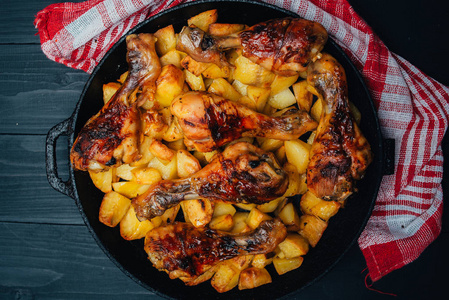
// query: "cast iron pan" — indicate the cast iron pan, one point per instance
point(343, 229)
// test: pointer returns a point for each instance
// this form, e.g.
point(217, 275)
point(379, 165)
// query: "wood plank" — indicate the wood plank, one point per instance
point(36, 93)
point(59, 262)
point(26, 194)
point(17, 20)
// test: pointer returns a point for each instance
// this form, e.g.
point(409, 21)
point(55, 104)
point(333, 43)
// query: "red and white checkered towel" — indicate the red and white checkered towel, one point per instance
point(413, 109)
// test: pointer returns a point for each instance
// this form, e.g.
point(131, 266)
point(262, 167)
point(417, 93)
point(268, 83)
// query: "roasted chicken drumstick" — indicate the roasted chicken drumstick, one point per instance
point(242, 173)
point(210, 121)
point(284, 46)
point(186, 252)
point(340, 153)
point(111, 137)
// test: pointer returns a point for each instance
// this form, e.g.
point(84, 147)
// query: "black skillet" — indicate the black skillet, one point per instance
point(343, 229)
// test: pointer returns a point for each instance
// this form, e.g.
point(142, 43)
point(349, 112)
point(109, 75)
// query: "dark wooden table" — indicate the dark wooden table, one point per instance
point(46, 251)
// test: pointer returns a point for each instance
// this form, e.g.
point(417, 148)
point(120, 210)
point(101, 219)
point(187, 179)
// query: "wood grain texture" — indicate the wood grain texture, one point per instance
point(36, 93)
point(40, 261)
point(26, 195)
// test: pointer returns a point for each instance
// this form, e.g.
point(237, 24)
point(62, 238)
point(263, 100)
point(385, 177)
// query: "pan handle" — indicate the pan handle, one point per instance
point(65, 187)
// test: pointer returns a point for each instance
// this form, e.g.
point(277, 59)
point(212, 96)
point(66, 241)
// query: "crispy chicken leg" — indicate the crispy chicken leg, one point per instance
point(340, 153)
point(112, 135)
point(210, 121)
point(242, 173)
point(284, 46)
point(186, 252)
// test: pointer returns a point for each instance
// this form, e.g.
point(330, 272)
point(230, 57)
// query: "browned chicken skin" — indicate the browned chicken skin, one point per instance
point(210, 121)
point(242, 173)
point(111, 137)
point(340, 153)
point(186, 252)
point(285, 46)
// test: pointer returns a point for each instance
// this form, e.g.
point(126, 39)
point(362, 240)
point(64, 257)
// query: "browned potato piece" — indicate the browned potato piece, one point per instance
point(253, 277)
point(170, 84)
point(170, 214)
point(166, 40)
point(312, 228)
point(294, 245)
point(284, 265)
point(161, 151)
point(109, 90)
point(113, 208)
point(132, 229)
point(204, 19)
point(222, 29)
point(193, 66)
point(129, 189)
point(261, 260)
point(255, 217)
point(147, 175)
point(226, 277)
point(223, 223)
point(289, 217)
point(303, 97)
point(103, 179)
point(312, 205)
point(199, 211)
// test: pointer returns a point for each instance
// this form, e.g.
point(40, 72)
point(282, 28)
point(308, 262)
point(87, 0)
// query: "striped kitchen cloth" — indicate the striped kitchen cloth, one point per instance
point(413, 109)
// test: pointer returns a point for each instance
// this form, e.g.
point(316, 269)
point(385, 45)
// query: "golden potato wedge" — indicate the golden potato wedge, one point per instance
point(253, 277)
point(297, 153)
point(240, 225)
point(316, 110)
point(290, 217)
point(166, 40)
point(293, 180)
point(168, 170)
point(146, 175)
point(170, 84)
point(269, 206)
point(282, 99)
point(132, 229)
point(125, 171)
point(294, 245)
point(303, 97)
point(312, 228)
point(187, 163)
point(193, 66)
point(245, 206)
point(222, 87)
point(213, 71)
point(129, 189)
point(223, 222)
point(259, 95)
point(241, 262)
point(172, 57)
point(225, 278)
point(109, 89)
point(284, 265)
point(255, 217)
point(113, 208)
point(222, 29)
point(177, 145)
point(250, 73)
point(248, 102)
point(240, 87)
point(170, 214)
point(262, 260)
point(271, 145)
point(123, 77)
point(199, 211)
point(204, 19)
point(221, 208)
point(280, 155)
point(312, 205)
point(161, 151)
point(281, 83)
point(196, 83)
point(103, 179)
